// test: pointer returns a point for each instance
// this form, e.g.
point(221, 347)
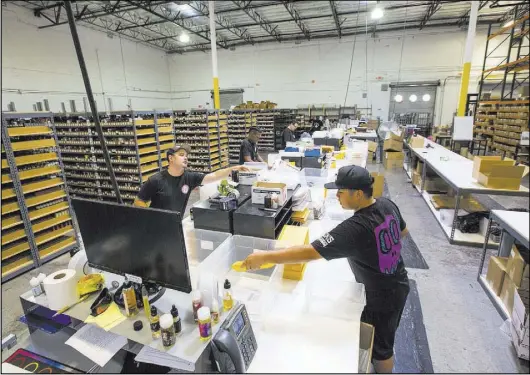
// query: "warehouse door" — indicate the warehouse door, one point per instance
point(413, 103)
point(228, 98)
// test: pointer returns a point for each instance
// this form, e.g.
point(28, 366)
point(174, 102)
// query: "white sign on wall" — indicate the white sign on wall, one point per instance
point(463, 128)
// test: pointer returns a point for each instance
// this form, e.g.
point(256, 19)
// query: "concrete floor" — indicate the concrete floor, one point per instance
point(463, 327)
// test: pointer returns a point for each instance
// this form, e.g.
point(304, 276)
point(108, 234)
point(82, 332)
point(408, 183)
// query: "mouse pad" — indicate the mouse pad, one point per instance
point(38, 364)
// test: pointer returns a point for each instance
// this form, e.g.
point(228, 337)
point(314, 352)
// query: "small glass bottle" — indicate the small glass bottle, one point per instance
point(205, 323)
point(129, 299)
point(196, 302)
point(215, 311)
point(167, 329)
point(145, 299)
point(176, 319)
point(228, 302)
point(154, 321)
point(35, 287)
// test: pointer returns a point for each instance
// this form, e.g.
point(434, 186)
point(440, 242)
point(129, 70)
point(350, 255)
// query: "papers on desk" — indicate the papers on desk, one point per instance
point(157, 357)
point(96, 344)
point(109, 319)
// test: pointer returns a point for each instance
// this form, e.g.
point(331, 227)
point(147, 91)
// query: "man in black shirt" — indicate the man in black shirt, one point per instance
point(371, 242)
point(288, 134)
point(171, 188)
point(248, 152)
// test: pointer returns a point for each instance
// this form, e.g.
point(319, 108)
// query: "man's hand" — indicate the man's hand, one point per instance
point(255, 260)
point(241, 168)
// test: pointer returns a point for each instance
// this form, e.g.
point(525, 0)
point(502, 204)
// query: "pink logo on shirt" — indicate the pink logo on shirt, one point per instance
point(388, 239)
point(185, 189)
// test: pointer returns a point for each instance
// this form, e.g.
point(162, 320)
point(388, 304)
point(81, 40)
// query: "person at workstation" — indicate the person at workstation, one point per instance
point(288, 134)
point(170, 189)
point(248, 151)
point(371, 241)
point(317, 125)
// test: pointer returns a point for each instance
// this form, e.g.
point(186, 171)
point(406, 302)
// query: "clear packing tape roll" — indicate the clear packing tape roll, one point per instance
point(60, 288)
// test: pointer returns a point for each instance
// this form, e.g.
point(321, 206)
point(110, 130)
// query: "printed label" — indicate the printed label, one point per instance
point(133, 279)
point(205, 329)
point(207, 245)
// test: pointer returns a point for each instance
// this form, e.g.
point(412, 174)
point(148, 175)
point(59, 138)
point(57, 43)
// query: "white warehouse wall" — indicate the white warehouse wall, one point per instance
point(316, 72)
point(42, 64)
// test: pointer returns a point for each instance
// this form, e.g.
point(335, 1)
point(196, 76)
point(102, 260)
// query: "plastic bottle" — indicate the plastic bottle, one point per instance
point(129, 299)
point(145, 299)
point(205, 323)
point(215, 310)
point(176, 319)
point(154, 320)
point(228, 302)
point(196, 302)
point(35, 287)
point(167, 330)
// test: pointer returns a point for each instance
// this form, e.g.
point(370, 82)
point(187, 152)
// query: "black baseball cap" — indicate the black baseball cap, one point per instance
point(351, 177)
point(176, 148)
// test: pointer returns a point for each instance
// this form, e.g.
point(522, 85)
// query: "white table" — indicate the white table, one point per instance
point(515, 226)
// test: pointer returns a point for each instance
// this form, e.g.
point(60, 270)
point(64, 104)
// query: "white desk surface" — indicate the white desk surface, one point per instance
point(367, 135)
point(518, 222)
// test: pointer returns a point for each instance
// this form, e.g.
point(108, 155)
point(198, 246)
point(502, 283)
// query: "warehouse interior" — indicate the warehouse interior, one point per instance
point(431, 97)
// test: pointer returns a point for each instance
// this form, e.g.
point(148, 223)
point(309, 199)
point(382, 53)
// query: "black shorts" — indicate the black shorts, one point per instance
point(386, 323)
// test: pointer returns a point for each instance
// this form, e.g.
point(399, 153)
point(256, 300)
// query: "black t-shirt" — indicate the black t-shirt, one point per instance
point(248, 148)
point(287, 136)
point(371, 241)
point(168, 192)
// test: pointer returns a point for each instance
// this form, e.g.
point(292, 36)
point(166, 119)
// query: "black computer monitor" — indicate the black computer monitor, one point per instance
point(144, 242)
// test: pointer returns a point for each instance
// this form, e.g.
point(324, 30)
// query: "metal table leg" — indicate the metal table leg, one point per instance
point(484, 248)
point(506, 244)
point(455, 217)
point(423, 176)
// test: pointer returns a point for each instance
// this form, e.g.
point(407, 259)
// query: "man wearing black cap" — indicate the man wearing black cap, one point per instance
point(171, 188)
point(371, 241)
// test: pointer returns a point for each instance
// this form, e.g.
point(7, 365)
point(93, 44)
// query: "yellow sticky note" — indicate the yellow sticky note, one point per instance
point(109, 319)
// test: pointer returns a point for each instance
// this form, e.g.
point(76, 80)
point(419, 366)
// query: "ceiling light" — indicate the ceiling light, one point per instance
point(413, 98)
point(398, 98)
point(377, 13)
point(184, 38)
point(509, 23)
point(185, 9)
point(426, 97)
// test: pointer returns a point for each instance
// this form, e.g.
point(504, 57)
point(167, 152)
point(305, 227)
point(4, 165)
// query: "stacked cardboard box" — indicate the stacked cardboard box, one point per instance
point(372, 148)
point(520, 319)
point(393, 148)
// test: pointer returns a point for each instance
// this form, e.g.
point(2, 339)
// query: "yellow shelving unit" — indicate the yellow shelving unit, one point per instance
point(36, 210)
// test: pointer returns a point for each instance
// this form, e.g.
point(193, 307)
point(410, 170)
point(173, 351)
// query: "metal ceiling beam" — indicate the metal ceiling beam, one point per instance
point(464, 19)
point(201, 8)
point(296, 17)
point(433, 8)
point(335, 17)
point(244, 6)
point(346, 31)
point(164, 13)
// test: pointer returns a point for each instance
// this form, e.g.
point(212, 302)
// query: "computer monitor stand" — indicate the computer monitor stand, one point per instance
point(154, 291)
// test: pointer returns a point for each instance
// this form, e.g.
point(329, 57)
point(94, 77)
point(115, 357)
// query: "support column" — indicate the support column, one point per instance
point(468, 56)
point(213, 40)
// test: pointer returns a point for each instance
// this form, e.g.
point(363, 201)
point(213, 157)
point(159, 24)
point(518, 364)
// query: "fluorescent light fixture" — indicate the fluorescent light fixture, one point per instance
point(426, 97)
point(185, 9)
point(377, 13)
point(509, 23)
point(413, 98)
point(398, 98)
point(184, 38)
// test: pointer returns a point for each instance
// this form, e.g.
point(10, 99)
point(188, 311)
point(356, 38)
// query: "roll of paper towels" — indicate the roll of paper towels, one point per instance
point(60, 288)
point(79, 262)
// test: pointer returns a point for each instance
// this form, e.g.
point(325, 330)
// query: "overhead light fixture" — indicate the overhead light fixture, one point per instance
point(184, 38)
point(185, 9)
point(413, 98)
point(398, 98)
point(426, 97)
point(377, 13)
point(509, 23)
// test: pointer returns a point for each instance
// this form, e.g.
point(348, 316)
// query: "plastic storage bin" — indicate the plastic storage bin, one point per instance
point(200, 244)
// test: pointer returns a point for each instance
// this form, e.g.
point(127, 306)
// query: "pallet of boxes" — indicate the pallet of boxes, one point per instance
point(509, 279)
point(393, 150)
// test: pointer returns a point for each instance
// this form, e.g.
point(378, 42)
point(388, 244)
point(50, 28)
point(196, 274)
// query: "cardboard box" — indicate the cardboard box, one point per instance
point(379, 182)
point(261, 189)
point(419, 167)
point(435, 184)
point(507, 293)
point(370, 158)
point(483, 164)
point(520, 319)
point(416, 178)
point(393, 145)
point(515, 266)
point(417, 142)
point(393, 155)
point(372, 146)
point(496, 273)
point(396, 136)
point(521, 347)
point(393, 159)
point(502, 177)
point(248, 178)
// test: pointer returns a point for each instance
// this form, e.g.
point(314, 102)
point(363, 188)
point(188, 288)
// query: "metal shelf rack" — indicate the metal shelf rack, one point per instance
point(282, 119)
point(239, 123)
point(265, 122)
point(38, 223)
